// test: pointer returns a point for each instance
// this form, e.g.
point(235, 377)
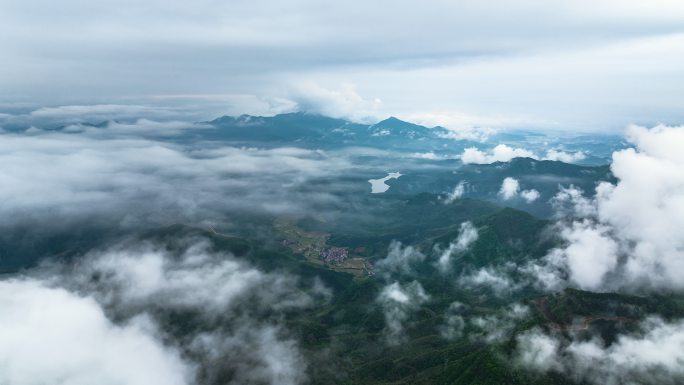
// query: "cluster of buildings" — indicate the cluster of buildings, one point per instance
point(334, 255)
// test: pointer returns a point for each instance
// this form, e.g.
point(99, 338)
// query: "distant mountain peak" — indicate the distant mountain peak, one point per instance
point(394, 121)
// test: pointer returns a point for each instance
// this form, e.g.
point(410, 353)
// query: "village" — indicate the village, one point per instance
point(313, 246)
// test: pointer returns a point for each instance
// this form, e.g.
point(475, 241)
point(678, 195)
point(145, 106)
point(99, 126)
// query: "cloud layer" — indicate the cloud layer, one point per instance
point(529, 62)
point(130, 180)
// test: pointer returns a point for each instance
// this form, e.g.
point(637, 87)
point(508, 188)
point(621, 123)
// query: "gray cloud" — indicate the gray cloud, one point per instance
point(497, 328)
point(454, 322)
point(258, 355)
point(138, 128)
point(496, 278)
point(400, 260)
point(134, 278)
point(109, 172)
point(257, 55)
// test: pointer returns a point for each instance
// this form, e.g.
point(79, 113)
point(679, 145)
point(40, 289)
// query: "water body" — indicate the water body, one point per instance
point(379, 186)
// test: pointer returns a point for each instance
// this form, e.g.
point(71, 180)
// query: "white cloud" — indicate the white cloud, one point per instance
point(430, 155)
point(398, 302)
point(476, 134)
point(454, 323)
point(628, 235)
point(139, 287)
point(462, 126)
point(497, 279)
point(646, 207)
point(400, 259)
point(537, 351)
point(654, 355)
point(456, 194)
point(135, 278)
point(344, 102)
point(500, 153)
point(551, 273)
point(467, 235)
point(65, 175)
point(590, 255)
point(261, 355)
point(505, 153)
point(49, 335)
point(139, 128)
point(98, 112)
point(572, 201)
point(565, 157)
point(510, 187)
point(530, 195)
point(498, 327)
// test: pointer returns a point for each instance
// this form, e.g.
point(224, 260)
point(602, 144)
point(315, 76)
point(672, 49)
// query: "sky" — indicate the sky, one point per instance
point(152, 66)
point(570, 65)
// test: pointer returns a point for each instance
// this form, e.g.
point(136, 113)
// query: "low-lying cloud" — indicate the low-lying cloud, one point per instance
point(398, 302)
point(500, 153)
point(400, 260)
point(49, 334)
point(498, 279)
point(467, 235)
point(565, 157)
point(505, 153)
point(56, 176)
point(653, 355)
point(510, 189)
point(627, 236)
point(456, 193)
point(109, 311)
point(497, 328)
point(454, 322)
point(133, 279)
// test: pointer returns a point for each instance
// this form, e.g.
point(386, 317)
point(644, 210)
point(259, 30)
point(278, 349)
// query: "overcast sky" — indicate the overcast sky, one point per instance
point(579, 64)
